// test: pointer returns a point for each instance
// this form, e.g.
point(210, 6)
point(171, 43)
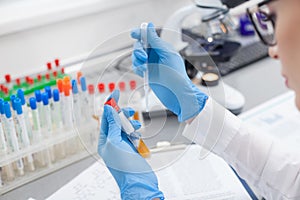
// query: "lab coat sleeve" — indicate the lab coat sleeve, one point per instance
point(263, 162)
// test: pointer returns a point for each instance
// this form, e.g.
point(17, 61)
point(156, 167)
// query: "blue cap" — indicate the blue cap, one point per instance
point(7, 110)
point(32, 103)
point(12, 99)
point(83, 83)
point(18, 106)
point(20, 94)
point(1, 106)
point(74, 87)
point(38, 95)
point(56, 95)
point(48, 90)
point(45, 98)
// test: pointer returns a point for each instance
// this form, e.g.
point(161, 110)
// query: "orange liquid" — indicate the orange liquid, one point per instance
point(143, 149)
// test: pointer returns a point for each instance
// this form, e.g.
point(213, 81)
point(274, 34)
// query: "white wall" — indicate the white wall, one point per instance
point(28, 50)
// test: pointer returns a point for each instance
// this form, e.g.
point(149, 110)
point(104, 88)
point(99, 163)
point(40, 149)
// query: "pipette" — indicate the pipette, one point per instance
point(146, 74)
point(133, 136)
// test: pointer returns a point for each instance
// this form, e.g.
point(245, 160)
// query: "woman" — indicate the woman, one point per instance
point(261, 160)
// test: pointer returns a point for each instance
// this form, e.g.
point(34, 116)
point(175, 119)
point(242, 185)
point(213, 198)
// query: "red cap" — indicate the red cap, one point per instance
point(27, 78)
point(122, 86)
point(49, 65)
point(47, 76)
point(56, 62)
point(62, 70)
point(30, 81)
point(39, 77)
point(5, 90)
point(132, 84)
point(101, 87)
point(59, 83)
point(2, 87)
point(111, 86)
point(111, 102)
point(7, 78)
point(18, 81)
point(91, 89)
point(55, 73)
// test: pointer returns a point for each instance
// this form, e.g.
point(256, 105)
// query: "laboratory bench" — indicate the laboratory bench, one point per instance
point(258, 82)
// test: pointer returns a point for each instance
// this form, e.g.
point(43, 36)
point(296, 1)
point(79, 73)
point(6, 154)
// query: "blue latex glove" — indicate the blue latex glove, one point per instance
point(132, 173)
point(167, 75)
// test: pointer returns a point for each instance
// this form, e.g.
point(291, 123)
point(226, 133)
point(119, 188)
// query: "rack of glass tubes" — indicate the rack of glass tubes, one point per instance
point(38, 125)
point(47, 122)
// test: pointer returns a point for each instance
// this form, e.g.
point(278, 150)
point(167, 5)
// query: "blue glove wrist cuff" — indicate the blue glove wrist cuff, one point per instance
point(196, 105)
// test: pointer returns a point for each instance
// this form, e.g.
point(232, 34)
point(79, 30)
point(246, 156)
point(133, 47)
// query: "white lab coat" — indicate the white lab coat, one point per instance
point(260, 159)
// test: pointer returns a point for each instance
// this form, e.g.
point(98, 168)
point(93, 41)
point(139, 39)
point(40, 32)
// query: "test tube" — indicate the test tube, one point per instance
point(146, 74)
point(133, 136)
point(11, 132)
point(87, 112)
point(23, 132)
point(47, 124)
point(91, 95)
point(36, 129)
point(76, 104)
point(20, 94)
point(59, 84)
point(68, 119)
point(39, 103)
point(100, 100)
point(57, 120)
point(7, 170)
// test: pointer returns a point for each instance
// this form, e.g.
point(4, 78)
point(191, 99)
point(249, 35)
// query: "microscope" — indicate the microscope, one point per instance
point(207, 45)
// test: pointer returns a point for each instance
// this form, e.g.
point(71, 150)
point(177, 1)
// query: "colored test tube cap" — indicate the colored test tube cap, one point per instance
point(39, 77)
point(1, 106)
point(20, 94)
point(55, 74)
point(18, 81)
point(48, 91)
point(59, 84)
point(45, 98)
point(101, 87)
point(38, 95)
point(112, 102)
point(49, 65)
point(32, 103)
point(18, 106)
point(122, 86)
point(66, 88)
point(132, 84)
point(56, 95)
point(111, 86)
point(56, 61)
point(79, 75)
point(7, 110)
point(7, 78)
point(83, 83)
point(74, 87)
point(12, 100)
point(91, 89)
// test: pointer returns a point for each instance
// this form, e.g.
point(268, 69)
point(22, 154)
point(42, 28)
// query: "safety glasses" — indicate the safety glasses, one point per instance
point(264, 21)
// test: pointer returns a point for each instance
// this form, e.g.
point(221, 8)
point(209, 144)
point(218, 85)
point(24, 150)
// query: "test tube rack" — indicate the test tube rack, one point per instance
point(39, 147)
point(85, 146)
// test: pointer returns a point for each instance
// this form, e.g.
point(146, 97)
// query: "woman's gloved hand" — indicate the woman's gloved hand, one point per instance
point(131, 171)
point(167, 76)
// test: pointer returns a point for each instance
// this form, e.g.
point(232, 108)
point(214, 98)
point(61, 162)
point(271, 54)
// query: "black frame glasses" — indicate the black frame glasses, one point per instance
point(267, 18)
